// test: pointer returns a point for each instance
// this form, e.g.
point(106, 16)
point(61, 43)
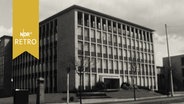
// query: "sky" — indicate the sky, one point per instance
point(153, 14)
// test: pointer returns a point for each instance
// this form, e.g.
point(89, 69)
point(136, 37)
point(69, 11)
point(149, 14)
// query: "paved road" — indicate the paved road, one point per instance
point(166, 100)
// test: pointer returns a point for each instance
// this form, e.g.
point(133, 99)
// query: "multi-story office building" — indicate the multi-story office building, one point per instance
point(177, 65)
point(5, 65)
point(107, 48)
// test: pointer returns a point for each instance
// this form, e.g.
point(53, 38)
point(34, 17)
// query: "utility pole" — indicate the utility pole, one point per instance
point(169, 63)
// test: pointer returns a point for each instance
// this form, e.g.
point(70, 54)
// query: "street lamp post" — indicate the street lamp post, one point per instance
point(68, 86)
point(169, 63)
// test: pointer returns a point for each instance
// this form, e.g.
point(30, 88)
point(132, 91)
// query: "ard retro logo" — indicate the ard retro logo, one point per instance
point(25, 27)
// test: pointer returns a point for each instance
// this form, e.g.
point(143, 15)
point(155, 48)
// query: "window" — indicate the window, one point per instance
point(128, 42)
point(98, 23)
point(79, 18)
point(109, 26)
point(140, 32)
point(92, 47)
point(152, 57)
point(124, 30)
point(141, 45)
point(104, 24)
point(124, 41)
point(98, 35)
point(99, 63)
point(146, 58)
point(86, 63)
point(86, 33)
point(120, 65)
point(105, 64)
point(86, 19)
point(79, 45)
point(137, 44)
point(120, 52)
point(93, 62)
point(148, 46)
point(182, 61)
point(99, 50)
point(115, 65)
point(125, 53)
point(86, 47)
point(125, 66)
point(92, 33)
point(133, 43)
point(115, 51)
point(129, 53)
point(141, 57)
point(138, 55)
point(110, 64)
point(132, 32)
point(79, 32)
point(133, 54)
point(92, 21)
point(145, 45)
point(114, 27)
point(104, 36)
point(110, 50)
point(119, 28)
point(119, 40)
point(115, 39)
point(136, 34)
point(104, 49)
point(80, 61)
point(148, 36)
point(110, 37)
point(151, 37)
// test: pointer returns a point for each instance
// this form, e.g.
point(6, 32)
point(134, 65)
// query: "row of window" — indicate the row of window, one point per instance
point(48, 40)
point(114, 65)
point(48, 30)
point(104, 24)
point(99, 49)
point(113, 39)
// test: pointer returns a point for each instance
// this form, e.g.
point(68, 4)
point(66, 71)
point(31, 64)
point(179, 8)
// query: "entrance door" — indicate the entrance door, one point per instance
point(111, 83)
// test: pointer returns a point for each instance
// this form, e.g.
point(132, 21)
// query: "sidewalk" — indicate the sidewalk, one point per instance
point(105, 100)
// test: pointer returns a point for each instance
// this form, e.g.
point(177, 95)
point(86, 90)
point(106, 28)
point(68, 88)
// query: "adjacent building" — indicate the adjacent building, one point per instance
point(107, 48)
point(163, 79)
point(177, 65)
point(5, 65)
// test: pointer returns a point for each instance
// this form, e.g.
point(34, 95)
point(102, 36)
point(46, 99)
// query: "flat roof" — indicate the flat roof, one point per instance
point(173, 56)
point(94, 12)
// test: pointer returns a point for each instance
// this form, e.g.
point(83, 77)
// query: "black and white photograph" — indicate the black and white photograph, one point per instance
point(97, 52)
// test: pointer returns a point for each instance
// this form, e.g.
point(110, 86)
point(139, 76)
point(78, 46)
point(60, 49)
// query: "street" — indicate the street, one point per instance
point(165, 100)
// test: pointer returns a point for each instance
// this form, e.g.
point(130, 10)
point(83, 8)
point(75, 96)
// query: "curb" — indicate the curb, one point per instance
point(111, 100)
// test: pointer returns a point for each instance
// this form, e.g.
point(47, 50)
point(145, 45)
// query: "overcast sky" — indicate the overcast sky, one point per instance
point(150, 13)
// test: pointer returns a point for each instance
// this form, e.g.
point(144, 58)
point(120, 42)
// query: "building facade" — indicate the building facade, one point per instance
point(107, 48)
point(177, 65)
point(5, 65)
point(163, 79)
